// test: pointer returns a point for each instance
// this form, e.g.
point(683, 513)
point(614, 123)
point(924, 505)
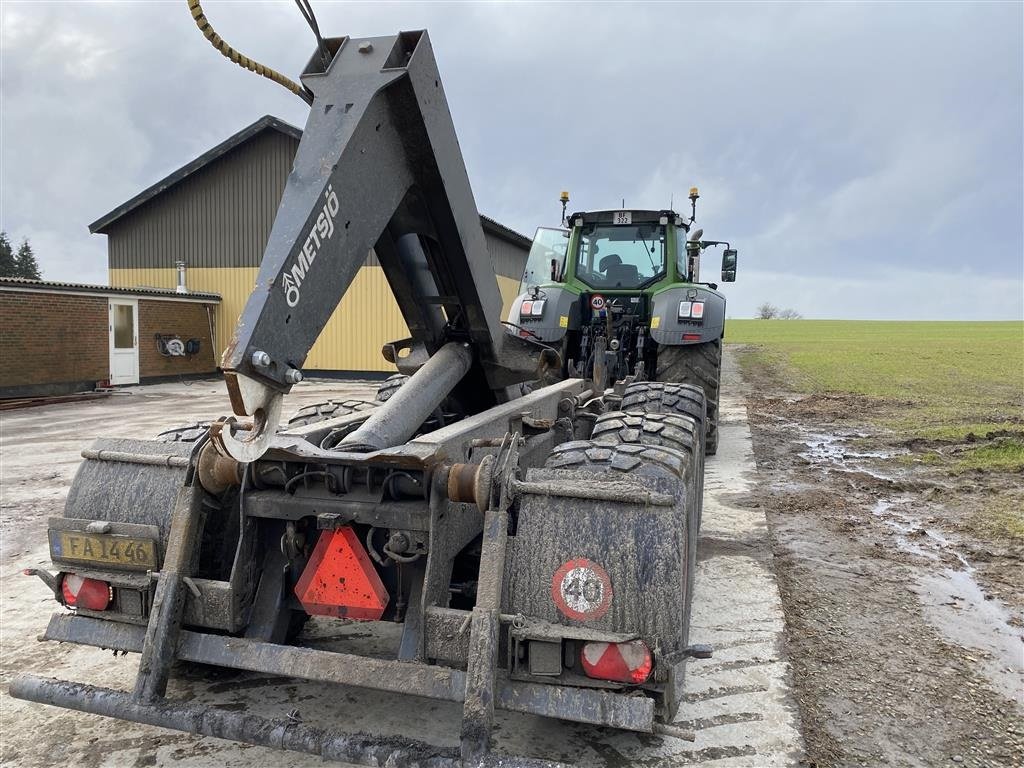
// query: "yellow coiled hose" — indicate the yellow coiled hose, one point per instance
point(240, 59)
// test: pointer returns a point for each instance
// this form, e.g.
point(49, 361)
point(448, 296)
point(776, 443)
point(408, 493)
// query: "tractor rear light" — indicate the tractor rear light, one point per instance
point(81, 592)
point(691, 337)
point(619, 662)
point(691, 310)
point(533, 308)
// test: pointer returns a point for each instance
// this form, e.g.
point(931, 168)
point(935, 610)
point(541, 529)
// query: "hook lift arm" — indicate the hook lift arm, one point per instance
point(378, 167)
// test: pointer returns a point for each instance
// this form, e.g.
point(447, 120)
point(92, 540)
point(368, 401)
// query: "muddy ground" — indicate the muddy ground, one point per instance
point(903, 616)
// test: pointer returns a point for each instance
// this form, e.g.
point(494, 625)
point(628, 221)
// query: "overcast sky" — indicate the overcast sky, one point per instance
point(865, 159)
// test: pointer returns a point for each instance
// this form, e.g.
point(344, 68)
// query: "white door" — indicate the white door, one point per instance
point(124, 341)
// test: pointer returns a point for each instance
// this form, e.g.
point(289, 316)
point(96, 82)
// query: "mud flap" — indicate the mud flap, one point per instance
point(617, 566)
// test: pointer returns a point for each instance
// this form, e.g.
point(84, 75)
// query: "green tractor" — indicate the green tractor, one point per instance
point(619, 294)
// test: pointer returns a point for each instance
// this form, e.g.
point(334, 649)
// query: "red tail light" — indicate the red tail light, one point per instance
point(80, 592)
point(622, 662)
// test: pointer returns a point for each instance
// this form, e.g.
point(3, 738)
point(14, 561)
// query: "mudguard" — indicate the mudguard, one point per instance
point(667, 328)
point(631, 561)
point(560, 314)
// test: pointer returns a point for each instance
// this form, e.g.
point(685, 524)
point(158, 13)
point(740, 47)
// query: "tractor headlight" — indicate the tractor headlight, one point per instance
point(532, 308)
point(691, 310)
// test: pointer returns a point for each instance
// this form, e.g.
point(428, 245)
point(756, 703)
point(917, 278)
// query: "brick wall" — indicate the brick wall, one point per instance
point(56, 343)
point(52, 343)
point(174, 318)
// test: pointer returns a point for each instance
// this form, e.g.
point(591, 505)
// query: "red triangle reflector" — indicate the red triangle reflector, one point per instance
point(340, 579)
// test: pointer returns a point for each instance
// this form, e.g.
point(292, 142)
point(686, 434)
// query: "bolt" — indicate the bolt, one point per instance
point(293, 376)
point(260, 359)
point(365, 47)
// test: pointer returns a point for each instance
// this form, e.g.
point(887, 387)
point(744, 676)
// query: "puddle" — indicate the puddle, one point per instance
point(951, 598)
point(956, 605)
point(830, 450)
point(911, 534)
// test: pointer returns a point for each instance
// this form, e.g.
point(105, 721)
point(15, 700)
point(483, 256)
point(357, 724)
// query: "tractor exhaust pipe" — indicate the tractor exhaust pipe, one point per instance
point(398, 419)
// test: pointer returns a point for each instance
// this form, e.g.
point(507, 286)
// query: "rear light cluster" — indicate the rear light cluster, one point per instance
point(620, 662)
point(532, 308)
point(691, 310)
point(82, 592)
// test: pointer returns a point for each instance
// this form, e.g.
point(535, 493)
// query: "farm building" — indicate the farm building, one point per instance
point(214, 216)
point(65, 337)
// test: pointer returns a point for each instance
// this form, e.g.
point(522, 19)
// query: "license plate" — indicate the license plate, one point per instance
point(104, 549)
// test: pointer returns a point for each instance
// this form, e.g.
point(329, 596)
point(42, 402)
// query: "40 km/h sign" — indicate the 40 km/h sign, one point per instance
point(582, 590)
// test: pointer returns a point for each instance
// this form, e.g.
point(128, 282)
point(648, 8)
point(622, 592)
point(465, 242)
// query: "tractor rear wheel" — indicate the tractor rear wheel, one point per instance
point(699, 365)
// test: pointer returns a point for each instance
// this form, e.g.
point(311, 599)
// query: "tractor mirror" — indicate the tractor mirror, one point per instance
point(729, 265)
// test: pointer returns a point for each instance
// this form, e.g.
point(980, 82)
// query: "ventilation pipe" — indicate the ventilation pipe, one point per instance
point(182, 288)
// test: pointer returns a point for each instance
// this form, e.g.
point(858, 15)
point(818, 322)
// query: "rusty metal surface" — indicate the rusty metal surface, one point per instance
point(360, 749)
point(430, 681)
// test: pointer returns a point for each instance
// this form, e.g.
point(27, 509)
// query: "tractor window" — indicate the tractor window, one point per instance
point(548, 245)
point(620, 256)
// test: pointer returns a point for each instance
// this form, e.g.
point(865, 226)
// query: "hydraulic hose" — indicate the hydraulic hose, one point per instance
point(196, 8)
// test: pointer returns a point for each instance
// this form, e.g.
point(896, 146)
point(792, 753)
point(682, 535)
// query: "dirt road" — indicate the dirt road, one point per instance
point(738, 702)
point(903, 621)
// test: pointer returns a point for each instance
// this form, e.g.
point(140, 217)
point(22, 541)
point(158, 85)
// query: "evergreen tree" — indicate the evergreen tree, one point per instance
point(8, 266)
point(25, 262)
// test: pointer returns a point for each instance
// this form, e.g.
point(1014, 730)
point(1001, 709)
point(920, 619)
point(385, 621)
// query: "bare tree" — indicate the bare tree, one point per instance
point(767, 312)
point(790, 314)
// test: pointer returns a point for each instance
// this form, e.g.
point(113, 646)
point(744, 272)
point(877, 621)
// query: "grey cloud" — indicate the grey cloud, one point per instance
point(839, 146)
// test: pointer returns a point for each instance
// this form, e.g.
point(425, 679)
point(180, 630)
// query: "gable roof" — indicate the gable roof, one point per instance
point(265, 123)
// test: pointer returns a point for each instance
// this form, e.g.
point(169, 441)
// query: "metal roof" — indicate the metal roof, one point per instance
point(267, 122)
point(21, 284)
point(496, 228)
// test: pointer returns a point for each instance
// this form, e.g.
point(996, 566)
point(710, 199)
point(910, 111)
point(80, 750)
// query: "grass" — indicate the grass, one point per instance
point(931, 380)
point(1002, 518)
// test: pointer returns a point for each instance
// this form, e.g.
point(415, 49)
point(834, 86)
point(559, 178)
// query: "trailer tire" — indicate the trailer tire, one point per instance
point(678, 431)
point(699, 365)
point(187, 433)
point(667, 397)
point(389, 386)
point(631, 458)
point(311, 414)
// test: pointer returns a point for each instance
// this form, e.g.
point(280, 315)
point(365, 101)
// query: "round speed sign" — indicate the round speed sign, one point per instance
point(581, 590)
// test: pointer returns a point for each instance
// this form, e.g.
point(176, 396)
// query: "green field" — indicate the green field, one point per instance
point(932, 380)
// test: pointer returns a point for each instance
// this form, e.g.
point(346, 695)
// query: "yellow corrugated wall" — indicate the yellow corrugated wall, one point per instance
point(365, 320)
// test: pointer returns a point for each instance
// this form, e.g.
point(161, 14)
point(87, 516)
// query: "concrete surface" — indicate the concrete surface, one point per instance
point(738, 702)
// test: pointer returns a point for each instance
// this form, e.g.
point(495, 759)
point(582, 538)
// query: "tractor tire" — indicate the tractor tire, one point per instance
point(671, 430)
point(699, 365)
point(389, 386)
point(682, 466)
point(331, 409)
